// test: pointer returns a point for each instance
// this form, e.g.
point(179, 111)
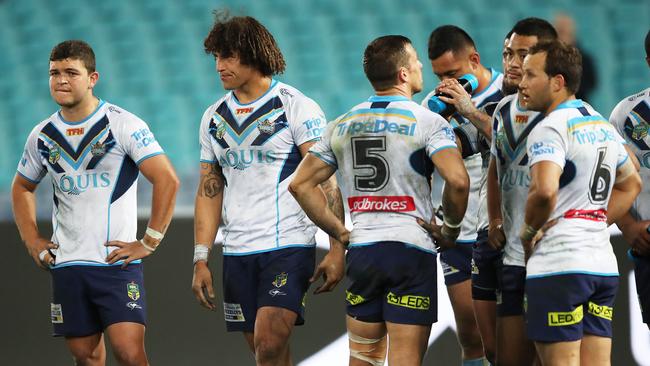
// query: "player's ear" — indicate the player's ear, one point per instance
point(402, 75)
point(557, 83)
point(94, 77)
point(474, 59)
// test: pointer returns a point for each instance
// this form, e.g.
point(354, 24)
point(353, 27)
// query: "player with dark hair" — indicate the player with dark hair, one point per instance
point(92, 152)
point(252, 141)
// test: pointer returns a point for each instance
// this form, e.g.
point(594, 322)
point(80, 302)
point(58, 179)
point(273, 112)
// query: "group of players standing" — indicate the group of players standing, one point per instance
point(532, 179)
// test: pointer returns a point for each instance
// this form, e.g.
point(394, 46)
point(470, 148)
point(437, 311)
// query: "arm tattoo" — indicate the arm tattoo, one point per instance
point(334, 199)
point(213, 182)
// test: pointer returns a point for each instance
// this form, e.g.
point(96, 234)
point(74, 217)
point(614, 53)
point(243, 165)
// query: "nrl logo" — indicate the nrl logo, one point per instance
point(266, 126)
point(280, 280)
point(55, 155)
point(98, 149)
point(640, 131)
point(133, 291)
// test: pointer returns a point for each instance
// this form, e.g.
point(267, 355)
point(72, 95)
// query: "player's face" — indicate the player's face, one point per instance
point(70, 82)
point(452, 65)
point(514, 53)
point(535, 85)
point(232, 72)
point(414, 70)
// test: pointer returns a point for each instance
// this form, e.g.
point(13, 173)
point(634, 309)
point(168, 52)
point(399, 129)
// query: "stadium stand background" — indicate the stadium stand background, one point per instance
point(151, 61)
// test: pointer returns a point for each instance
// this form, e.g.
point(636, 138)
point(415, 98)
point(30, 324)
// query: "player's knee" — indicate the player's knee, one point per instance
point(130, 356)
point(268, 348)
point(88, 356)
point(369, 350)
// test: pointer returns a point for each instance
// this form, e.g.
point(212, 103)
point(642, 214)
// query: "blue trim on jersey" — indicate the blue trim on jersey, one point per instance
point(108, 221)
point(273, 84)
point(75, 157)
point(399, 111)
point(388, 98)
point(101, 103)
point(602, 274)
point(271, 249)
point(238, 131)
point(410, 245)
point(28, 179)
point(443, 148)
point(465, 241)
point(495, 75)
point(92, 264)
point(280, 124)
point(622, 162)
point(149, 156)
point(324, 159)
point(577, 120)
point(125, 178)
point(208, 161)
point(574, 103)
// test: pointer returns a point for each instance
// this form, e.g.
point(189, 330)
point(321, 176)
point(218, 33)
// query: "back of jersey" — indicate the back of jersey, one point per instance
point(382, 149)
point(589, 150)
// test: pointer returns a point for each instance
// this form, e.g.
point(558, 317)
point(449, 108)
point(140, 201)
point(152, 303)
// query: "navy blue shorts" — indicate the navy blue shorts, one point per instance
point(642, 279)
point(485, 262)
point(510, 292)
point(278, 278)
point(456, 263)
point(563, 308)
point(87, 299)
point(392, 281)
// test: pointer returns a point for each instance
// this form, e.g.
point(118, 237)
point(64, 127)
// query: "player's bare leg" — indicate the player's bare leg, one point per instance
point(408, 343)
point(87, 351)
point(559, 353)
point(595, 350)
point(127, 341)
point(513, 346)
point(460, 295)
point(368, 342)
point(273, 328)
point(486, 318)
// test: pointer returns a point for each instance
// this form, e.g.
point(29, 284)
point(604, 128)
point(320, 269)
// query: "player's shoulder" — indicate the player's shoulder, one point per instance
point(507, 100)
point(291, 96)
point(119, 116)
point(628, 103)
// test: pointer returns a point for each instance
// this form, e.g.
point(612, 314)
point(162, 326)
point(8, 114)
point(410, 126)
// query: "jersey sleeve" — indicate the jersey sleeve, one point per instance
point(323, 148)
point(307, 121)
point(207, 123)
point(30, 166)
point(622, 151)
point(137, 140)
point(546, 143)
point(439, 137)
point(617, 118)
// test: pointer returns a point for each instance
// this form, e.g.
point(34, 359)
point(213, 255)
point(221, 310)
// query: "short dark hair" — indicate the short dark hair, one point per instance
point(561, 59)
point(246, 38)
point(448, 38)
point(382, 59)
point(76, 50)
point(647, 44)
point(537, 27)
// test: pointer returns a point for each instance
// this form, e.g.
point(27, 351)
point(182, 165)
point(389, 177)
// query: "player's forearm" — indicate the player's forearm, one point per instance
point(23, 203)
point(539, 207)
point(207, 217)
point(622, 198)
point(454, 198)
point(493, 193)
point(335, 204)
point(165, 187)
point(482, 121)
point(314, 202)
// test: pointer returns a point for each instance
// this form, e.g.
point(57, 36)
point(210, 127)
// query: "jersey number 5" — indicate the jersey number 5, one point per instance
point(601, 179)
point(366, 157)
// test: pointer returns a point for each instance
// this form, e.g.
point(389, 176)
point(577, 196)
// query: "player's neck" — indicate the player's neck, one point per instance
point(484, 77)
point(559, 100)
point(80, 111)
point(253, 89)
point(400, 90)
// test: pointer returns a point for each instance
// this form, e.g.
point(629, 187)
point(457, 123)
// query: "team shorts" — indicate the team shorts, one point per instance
point(456, 263)
point(278, 278)
point(87, 299)
point(485, 262)
point(562, 308)
point(510, 293)
point(392, 281)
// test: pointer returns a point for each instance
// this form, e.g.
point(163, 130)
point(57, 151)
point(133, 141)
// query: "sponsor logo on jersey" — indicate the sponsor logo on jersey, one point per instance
point(521, 118)
point(541, 148)
point(353, 299)
point(143, 137)
point(640, 131)
point(242, 159)
point(57, 313)
point(375, 126)
point(98, 149)
point(601, 311)
point(243, 110)
point(221, 130)
point(54, 156)
point(266, 126)
point(381, 203)
point(409, 301)
point(315, 127)
point(280, 280)
point(76, 184)
point(513, 178)
point(74, 131)
point(113, 109)
point(233, 312)
point(594, 137)
point(285, 92)
point(561, 318)
point(133, 291)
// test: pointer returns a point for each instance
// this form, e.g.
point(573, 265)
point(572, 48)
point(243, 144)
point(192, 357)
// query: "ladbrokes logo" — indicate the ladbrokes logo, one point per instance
point(381, 203)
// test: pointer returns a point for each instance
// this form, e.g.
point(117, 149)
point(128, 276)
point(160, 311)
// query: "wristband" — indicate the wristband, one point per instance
point(201, 253)
point(151, 249)
point(155, 234)
point(450, 233)
point(528, 232)
point(42, 254)
point(452, 226)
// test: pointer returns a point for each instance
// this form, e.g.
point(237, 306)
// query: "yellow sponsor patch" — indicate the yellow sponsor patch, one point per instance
point(560, 318)
point(353, 299)
point(409, 301)
point(602, 311)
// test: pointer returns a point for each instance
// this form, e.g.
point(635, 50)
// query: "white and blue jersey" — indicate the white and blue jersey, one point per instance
point(473, 145)
point(589, 151)
point(382, 149)
point(511, 126)
point(631, 117)
point(93, 168)
point(256, 146)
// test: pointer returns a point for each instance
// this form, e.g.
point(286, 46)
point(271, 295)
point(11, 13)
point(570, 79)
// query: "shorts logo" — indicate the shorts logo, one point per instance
point(381, 203)
point(233, 312)
point(409, 301)
point(353, 299)
point(559, 319)
point(499, 297)
point(98, 149)
point(57, 313)
point(275, 292)
point(280, 280)
point(54, 156)
point(133, 291)
point(474, 268)
point(601, 311)
point(133, 305)
point(448, 270)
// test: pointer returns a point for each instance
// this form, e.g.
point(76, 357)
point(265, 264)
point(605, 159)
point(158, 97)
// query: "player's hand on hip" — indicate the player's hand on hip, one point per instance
point(202, 285)
point(331, 268)
point(639, 238)
point(128, 252)
point(496, 236)
point(39, 250)
point(435, 231)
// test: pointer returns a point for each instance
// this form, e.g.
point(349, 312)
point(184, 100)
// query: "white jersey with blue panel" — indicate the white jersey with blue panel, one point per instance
point(93, 168)
point(589, 151)
point(256, 145)
point(511, 126)
point(382, 150)
point(473, 146)
point(631, 117)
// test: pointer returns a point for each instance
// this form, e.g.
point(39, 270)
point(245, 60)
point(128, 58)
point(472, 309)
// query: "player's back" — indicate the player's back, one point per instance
point(383, 150)
point(589, 149)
